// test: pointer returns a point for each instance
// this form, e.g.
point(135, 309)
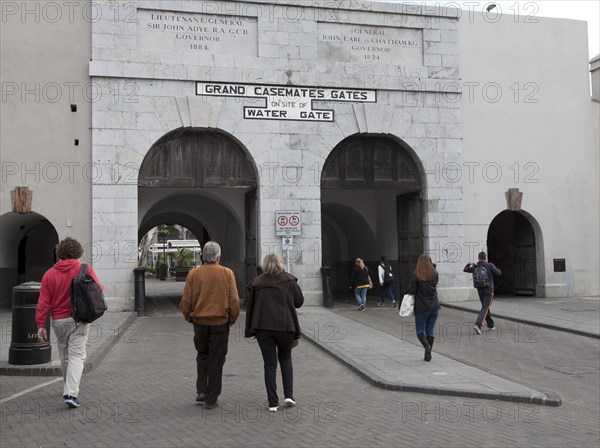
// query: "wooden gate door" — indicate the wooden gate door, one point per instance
point(410, 235)
point(251, 216)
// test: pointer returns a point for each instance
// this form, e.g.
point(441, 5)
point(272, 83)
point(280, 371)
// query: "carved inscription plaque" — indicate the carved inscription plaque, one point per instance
point(363, 43)
point(196, 33)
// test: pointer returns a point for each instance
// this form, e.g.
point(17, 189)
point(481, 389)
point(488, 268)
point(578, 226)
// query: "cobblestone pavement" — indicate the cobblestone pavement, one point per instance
point(143, 395)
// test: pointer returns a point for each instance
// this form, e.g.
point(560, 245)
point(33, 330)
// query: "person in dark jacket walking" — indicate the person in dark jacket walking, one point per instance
point(485, 290)
point(271, 317)
point(423, 285)
point(361, 281)
point(386, 280)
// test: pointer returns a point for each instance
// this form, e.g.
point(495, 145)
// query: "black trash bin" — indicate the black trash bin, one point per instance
point(25, 349)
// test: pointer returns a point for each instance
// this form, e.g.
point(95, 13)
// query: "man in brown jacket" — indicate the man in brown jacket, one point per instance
point(210, 301)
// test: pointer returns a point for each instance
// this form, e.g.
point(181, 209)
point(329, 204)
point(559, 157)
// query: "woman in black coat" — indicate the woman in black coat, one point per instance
point(423, 285)
point(271, 317)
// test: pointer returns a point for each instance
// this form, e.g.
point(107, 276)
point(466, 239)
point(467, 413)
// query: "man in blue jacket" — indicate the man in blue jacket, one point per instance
point(483, 280)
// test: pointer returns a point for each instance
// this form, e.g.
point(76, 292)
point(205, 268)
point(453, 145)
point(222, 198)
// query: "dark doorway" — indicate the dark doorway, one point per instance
point(512, 247)
point(28, 251)
point(371, 206)
point(410, 235)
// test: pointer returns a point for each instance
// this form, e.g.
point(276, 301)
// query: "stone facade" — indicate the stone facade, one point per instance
point(275, 44)
point(464, 99)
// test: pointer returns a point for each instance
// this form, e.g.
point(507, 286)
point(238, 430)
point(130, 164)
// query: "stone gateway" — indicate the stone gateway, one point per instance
point(391, 129)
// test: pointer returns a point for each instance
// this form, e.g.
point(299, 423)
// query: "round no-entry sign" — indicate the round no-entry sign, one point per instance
point(288, 223)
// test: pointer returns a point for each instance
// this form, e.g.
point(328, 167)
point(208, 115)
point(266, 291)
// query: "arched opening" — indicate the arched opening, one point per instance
point(371, 205)
point(206, 181)
point(512, 246)
point(170, 251)
point(28, 250)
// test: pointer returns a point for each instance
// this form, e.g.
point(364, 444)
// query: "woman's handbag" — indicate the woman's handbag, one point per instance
point(408, 306)
point(388, 277)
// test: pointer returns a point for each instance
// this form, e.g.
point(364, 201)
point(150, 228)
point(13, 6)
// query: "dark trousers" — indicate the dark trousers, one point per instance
point(387, 290)
point(276, 345)
point(486, 296)
point(211, 344)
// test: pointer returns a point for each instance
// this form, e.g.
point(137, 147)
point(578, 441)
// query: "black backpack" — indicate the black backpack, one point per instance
point(388, 277)
point(481, 276)
point(87, 300)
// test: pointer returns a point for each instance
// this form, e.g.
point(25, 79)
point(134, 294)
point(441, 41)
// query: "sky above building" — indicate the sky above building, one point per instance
point(587, 10)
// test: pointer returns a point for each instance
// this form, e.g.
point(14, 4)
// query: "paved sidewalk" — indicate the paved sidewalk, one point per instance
point(104, 333)
point(391, 363)
point(575, 315)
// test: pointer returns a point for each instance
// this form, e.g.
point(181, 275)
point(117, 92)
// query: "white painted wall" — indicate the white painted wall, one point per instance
point(44, 68)
point(541, 139)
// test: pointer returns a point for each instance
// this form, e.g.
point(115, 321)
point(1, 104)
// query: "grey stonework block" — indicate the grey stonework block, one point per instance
point(444, 48)
point(106, 68)
point(444, 72)
point(268, 50)
point(138, 70)
point(432, 60)
point(103, 40)
point(435, 130)
point(451, 61)
point(108, 137)
point(436, 230)
point(449, 35)
point(289, 52)
point(425, 115)
point(273, 38)
point(450, 116)
point(445, 218)
point(432, 35)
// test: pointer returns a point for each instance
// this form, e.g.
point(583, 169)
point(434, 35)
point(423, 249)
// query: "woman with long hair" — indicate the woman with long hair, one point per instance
point(271, 317)
point(386, 280)
point(423, 285)
point(360, 281)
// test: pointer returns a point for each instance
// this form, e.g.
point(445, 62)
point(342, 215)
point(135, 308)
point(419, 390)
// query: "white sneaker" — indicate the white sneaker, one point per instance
point(290, 402)
point(477, 329)
point(491, 328)
point(273, 409)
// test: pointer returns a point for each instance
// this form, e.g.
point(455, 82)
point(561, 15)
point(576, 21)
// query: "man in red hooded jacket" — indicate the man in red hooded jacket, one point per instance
point(55, 298)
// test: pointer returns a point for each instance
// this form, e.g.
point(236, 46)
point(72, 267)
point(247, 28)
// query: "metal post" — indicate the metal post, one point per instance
point(140, 291)
point(327, 292)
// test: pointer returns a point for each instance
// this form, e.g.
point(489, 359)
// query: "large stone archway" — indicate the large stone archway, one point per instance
point(203, 179)
point(371, 193)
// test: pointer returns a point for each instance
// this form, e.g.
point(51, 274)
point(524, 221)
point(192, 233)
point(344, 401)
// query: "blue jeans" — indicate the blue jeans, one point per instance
point(425, 322)
point(485, 297)
point(387, 290)
point(361, 296)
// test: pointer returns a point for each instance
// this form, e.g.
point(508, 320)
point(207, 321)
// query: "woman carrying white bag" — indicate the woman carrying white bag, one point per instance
point(423, 286)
